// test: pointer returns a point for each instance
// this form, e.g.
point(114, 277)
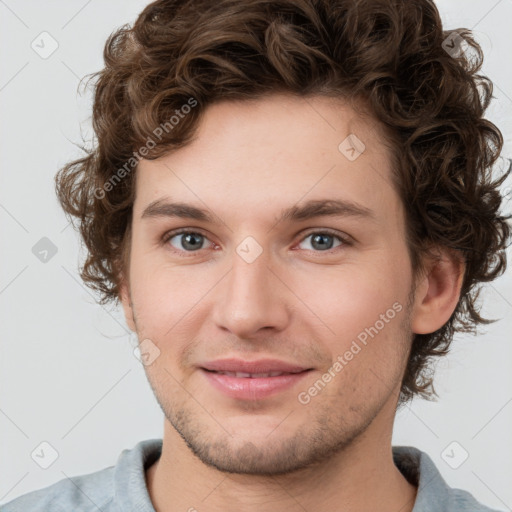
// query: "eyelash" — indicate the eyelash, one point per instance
point(171, 234)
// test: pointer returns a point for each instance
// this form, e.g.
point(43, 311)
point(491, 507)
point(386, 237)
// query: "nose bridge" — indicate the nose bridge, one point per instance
point(250, 297)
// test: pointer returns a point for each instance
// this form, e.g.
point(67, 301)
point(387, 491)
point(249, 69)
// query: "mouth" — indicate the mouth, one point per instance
point(241, 366)
point(252, 386)
point(245, 375)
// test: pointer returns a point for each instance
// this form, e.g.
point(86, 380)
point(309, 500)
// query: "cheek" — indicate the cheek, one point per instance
point(162, 299)
point(152, 296)
point(362, 311)
point(352, 297)
point(167, 298)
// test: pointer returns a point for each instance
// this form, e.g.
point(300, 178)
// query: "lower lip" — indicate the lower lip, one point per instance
point(246, 388)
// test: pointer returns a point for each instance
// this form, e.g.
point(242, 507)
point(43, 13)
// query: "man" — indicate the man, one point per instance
point(291, 202)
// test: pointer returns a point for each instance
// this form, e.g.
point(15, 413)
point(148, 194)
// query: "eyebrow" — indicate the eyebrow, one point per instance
point(309, 210)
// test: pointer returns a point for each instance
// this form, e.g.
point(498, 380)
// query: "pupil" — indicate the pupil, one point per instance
point(322, 237)
point(192, 245)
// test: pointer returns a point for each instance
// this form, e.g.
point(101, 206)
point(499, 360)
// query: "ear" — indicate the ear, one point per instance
point(438, 292)
point(124, 296)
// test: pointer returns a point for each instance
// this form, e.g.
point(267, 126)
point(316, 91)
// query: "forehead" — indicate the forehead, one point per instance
point(252, 154)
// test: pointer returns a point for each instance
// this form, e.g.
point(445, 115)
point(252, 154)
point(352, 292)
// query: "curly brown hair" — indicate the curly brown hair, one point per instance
point(392, 54)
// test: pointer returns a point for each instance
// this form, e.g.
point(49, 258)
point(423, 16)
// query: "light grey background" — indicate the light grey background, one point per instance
point(68, 373)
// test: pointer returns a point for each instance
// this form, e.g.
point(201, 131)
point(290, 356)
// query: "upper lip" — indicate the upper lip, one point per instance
point(259, 366)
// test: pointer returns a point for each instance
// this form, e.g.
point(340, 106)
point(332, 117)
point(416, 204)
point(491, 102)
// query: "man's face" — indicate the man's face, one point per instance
point(303, 291)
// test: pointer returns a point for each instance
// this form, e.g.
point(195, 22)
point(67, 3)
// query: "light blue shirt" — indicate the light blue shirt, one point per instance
point(122, 488)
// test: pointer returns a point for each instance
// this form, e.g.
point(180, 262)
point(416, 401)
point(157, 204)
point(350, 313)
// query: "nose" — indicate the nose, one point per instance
point(252, 297)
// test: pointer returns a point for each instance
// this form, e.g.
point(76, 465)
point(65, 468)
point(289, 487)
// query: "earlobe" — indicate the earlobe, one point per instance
point(438, 294)
point(124, 296)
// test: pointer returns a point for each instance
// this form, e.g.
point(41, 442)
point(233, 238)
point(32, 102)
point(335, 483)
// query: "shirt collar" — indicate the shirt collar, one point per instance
point(418, 468)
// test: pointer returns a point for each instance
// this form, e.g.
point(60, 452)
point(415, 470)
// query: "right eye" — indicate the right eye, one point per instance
point(185, 240)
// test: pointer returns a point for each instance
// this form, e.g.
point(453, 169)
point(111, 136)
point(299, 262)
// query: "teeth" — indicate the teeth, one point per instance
point(246, 375)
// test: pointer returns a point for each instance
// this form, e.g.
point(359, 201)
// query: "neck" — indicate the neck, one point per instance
point(361, 477)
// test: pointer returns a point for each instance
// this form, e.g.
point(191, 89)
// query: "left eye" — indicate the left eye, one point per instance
point(321, 240)
point(191, 241)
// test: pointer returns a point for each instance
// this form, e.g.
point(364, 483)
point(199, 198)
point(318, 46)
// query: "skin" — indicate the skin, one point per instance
point(297, 301)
